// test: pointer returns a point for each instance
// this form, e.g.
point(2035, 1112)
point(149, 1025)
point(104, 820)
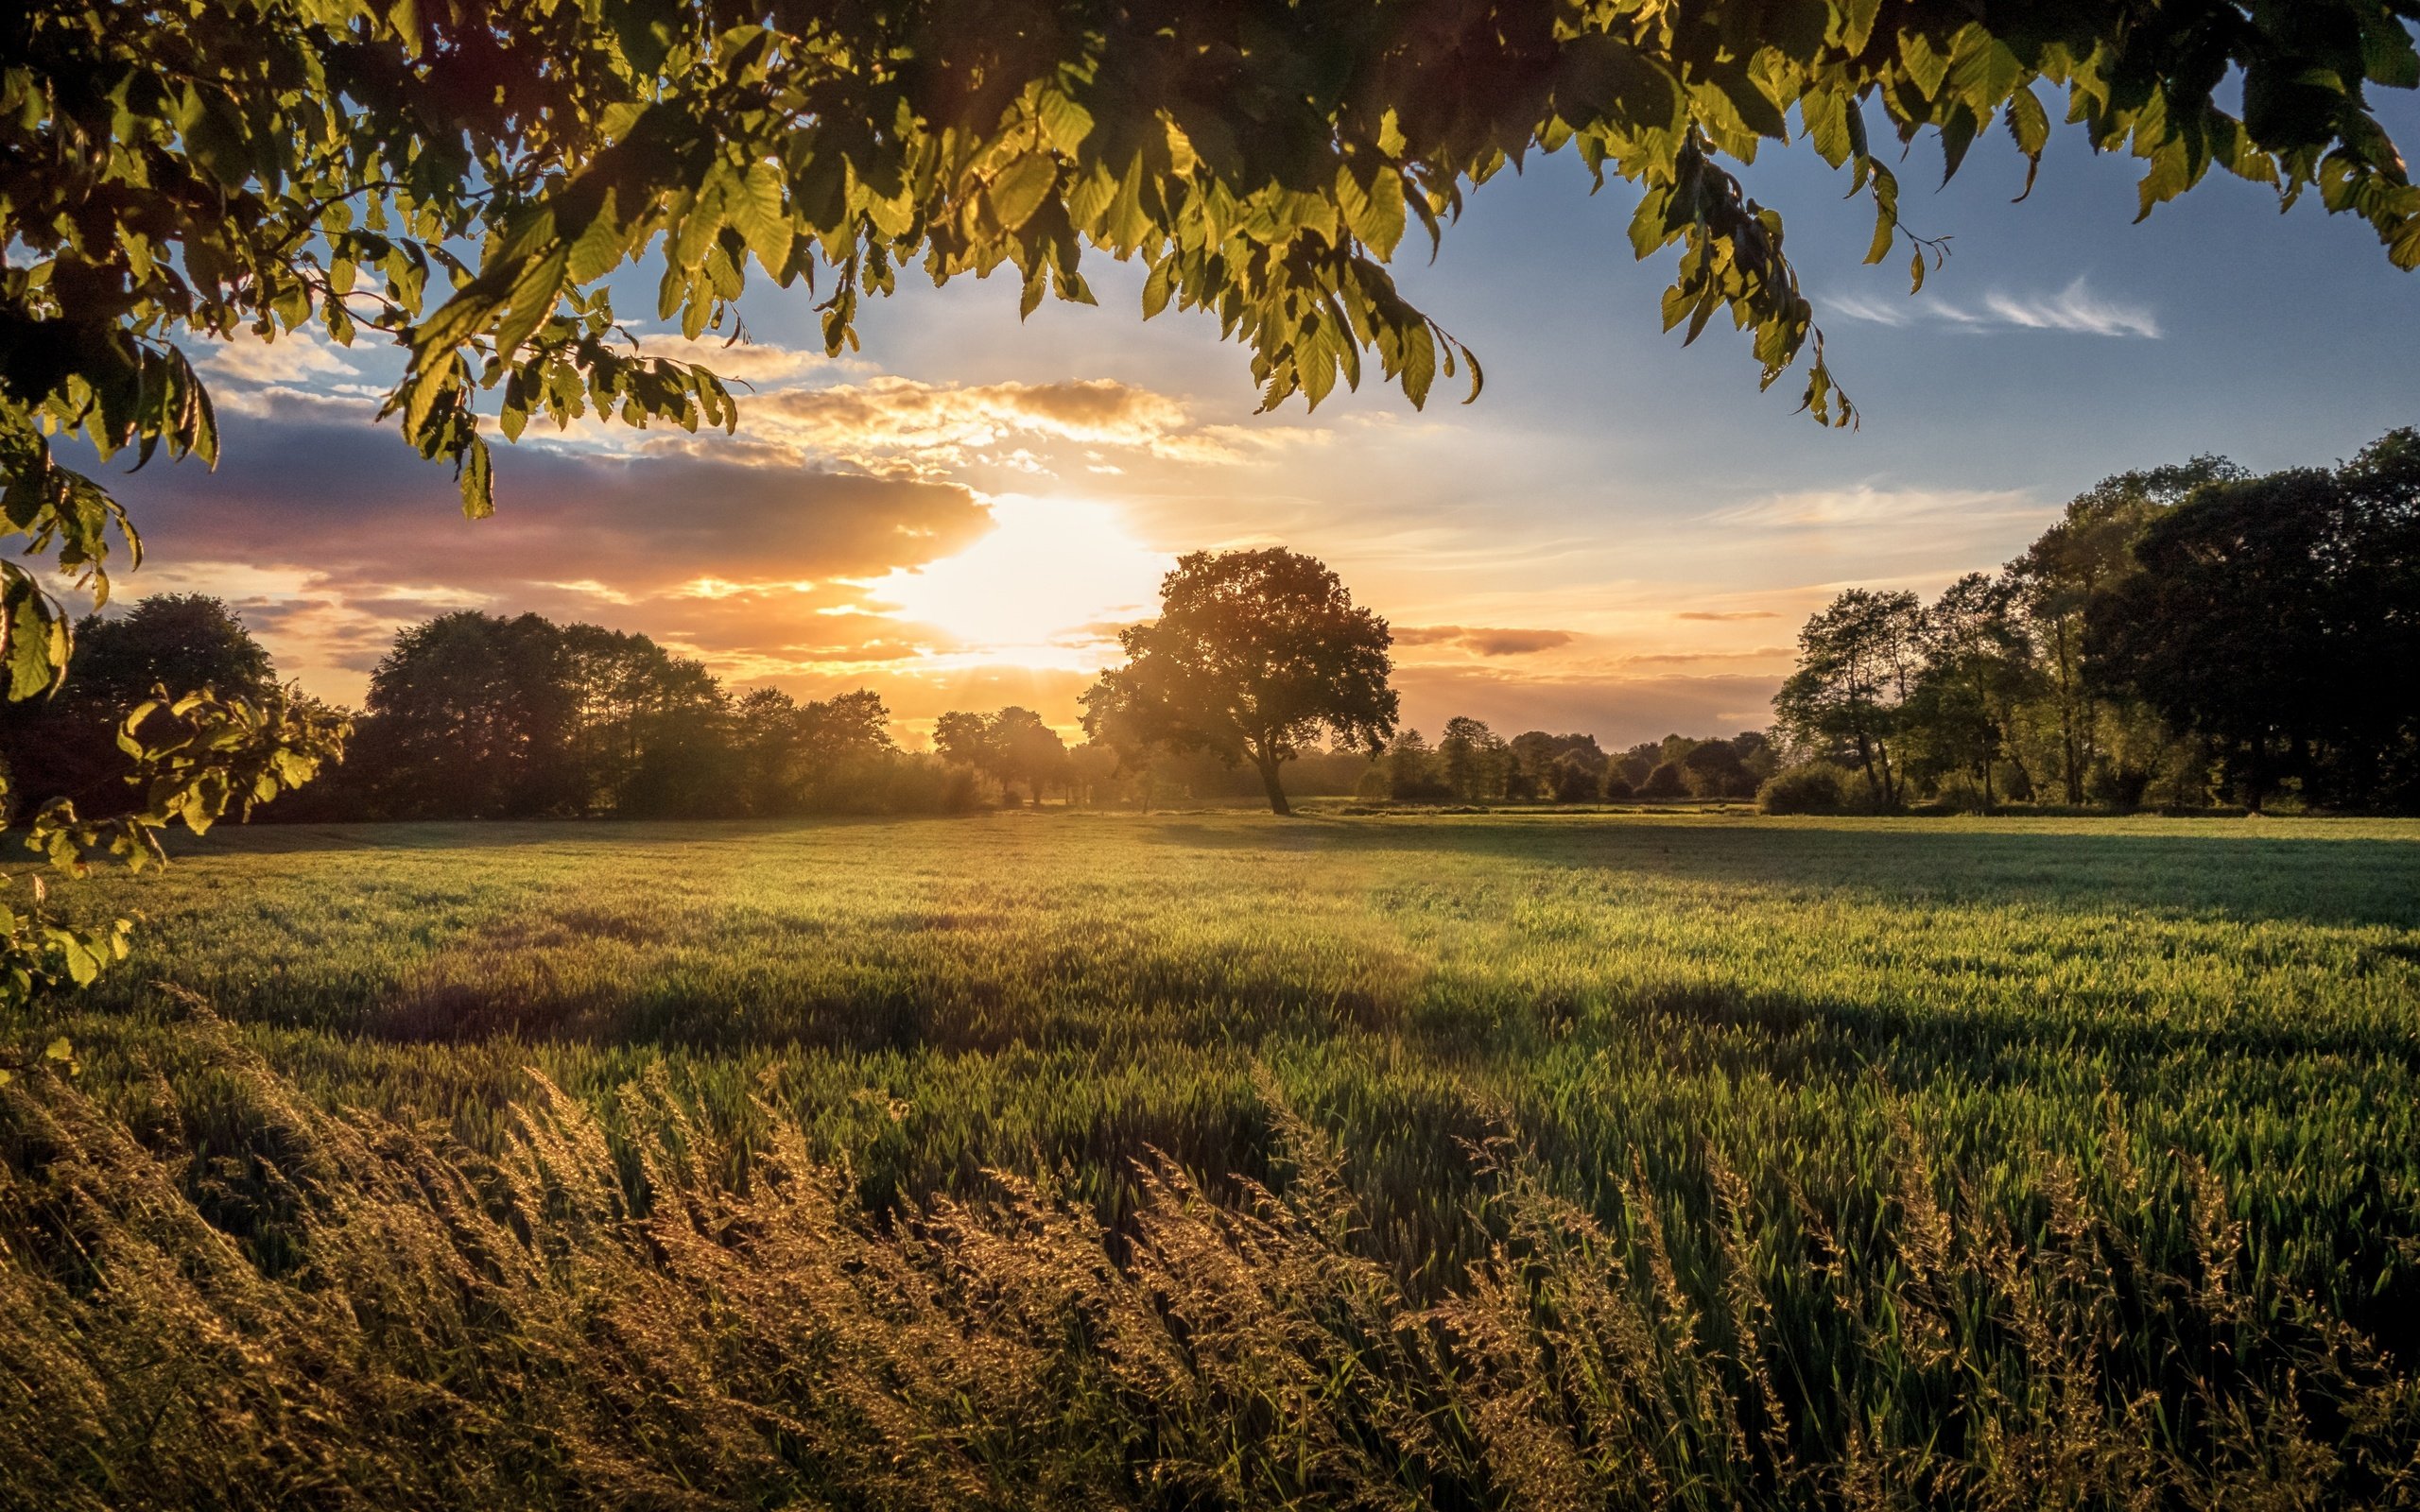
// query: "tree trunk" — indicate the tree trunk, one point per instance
point(1277, 803)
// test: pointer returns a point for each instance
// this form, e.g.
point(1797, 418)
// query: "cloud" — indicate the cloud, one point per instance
point(895, 426)
point(1863, 506)
point(1725, 615)
point(2074, 309)
point(331, 535)
point(1481, 639)
point(294, 357)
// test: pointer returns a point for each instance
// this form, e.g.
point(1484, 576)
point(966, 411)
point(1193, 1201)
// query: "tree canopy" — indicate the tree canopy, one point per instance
point(460, 180)
point(2180, 631)
point(1254, 654)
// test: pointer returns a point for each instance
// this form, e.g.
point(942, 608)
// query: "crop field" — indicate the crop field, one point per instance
point(1206, 1160)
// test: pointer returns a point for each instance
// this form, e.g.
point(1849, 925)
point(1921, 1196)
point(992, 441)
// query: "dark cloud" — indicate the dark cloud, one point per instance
point(351, 502)
point(1726, 614)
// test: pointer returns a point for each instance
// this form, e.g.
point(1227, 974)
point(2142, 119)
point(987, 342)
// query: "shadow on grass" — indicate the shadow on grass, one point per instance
point(2352, 880)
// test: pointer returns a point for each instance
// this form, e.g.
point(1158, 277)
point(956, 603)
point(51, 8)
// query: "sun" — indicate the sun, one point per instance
point(1038, 588)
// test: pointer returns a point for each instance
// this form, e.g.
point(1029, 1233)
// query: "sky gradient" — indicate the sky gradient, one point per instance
point(1620, 537)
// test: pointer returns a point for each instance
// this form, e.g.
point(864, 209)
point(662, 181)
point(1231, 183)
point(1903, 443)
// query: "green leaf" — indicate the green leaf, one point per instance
point(477, 474)
point(1066, 123)
point(1018, 191)
point(756, 214)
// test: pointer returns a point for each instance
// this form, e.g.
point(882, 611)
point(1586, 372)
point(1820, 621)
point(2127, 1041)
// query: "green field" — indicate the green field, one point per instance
point(1209, 1159)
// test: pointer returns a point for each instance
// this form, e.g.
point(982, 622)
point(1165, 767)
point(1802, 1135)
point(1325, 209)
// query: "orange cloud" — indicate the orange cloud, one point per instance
point(898, 426)
point(1484, 641)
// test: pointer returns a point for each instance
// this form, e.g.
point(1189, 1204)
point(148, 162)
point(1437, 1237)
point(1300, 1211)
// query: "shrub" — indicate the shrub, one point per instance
point(1960, 793)
point(1617, 787)
point(1810, 787)
point(1668, 780)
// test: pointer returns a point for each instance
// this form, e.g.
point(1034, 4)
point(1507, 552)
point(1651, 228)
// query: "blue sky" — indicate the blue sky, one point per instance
point(1620, 536)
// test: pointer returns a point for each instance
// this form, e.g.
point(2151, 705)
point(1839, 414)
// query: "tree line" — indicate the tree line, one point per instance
point(473, 715)
point(2185, 635)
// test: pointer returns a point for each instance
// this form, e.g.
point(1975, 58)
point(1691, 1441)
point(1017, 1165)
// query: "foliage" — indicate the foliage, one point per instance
point(2279, 617)
point(2175, 624)
point(1978, 668)
point(105, 766)
point(1473, 761)
point(1571, 780)
point(1011, 745)
point(1411, 768)
point(192, 759)
point(465, 183)
point(2019, 1162)
point(66, 745)
point(2058, 580)
point(1856, 658)
point(1667, 779)
point(1254, 655)
point(1808, 787)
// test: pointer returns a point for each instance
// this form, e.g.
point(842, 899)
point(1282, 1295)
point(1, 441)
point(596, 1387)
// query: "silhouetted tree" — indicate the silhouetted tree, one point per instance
point(66, 746)
point(1473, 761)
point(1012, 747)
point(1412, 770)
point(1253, 655)
point(468, 717)
point(2275, 616)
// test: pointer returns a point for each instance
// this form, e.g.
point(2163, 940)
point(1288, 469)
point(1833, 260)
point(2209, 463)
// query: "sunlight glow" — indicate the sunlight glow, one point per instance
point(1040, 590)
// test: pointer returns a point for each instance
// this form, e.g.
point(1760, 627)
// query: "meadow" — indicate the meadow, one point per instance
point(1208, 1159)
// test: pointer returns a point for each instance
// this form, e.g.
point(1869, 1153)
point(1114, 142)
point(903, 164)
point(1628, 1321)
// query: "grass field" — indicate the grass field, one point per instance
point(1208, 1159)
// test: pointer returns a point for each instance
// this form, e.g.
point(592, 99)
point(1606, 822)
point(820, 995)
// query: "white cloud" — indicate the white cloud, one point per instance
point(2076, 309)
point(1863, 506)
point(297, 356)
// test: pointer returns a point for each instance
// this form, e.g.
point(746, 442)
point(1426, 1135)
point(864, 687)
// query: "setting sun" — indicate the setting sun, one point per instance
point(1038, 588)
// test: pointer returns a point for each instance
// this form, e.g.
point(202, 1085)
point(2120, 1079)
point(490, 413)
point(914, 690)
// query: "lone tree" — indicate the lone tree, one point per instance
point(1254, 654)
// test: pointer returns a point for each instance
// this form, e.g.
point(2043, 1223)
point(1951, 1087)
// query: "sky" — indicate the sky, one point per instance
point(1619, 537)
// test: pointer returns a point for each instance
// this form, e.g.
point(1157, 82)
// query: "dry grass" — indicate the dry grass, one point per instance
point(401, 1321)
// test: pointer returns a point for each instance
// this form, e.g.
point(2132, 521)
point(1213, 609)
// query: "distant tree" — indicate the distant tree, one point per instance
point(1617, 787)
point(1713, 769)
point(843, 744)
point(1667, 779)
point(1012, 746)
point(1573, 780)
point(647, 732)
point(1023, 749)
point(764, 737)
point(1856, 660)
point(1638, 761)
point(66, 746)
point(1254, 654)
point(468, 717)
point(1473, 761)
point(1412, 770)
point(965, 738)
point(1537, 757)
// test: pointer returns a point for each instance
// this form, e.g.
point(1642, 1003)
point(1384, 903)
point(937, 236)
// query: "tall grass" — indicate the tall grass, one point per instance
point(1216, 1162)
